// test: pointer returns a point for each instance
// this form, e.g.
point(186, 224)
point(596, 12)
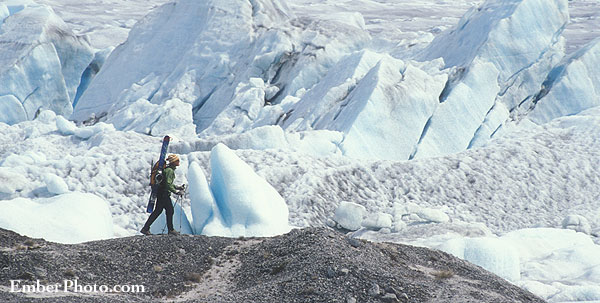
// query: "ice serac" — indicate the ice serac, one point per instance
point(235, 62)
point(380, 103)
point(135, 69)
point(572, 87)
point(41, 64)
point(514, 44)
point(384, 117)
point(4, 12)
point(202, 200)
point(247, 204)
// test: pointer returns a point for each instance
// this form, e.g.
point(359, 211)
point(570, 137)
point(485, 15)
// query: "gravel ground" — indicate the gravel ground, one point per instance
point(306, 265)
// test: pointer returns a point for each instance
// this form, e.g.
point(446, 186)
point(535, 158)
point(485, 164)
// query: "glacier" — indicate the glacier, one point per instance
point(499, 54)
point(499, 123)
point(41, 64)
point(273, 68)
point(571, 87)
point(303, 75)
point(529, 178)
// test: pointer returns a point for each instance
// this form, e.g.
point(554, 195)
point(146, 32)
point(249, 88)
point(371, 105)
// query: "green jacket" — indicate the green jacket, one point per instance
point(169, 177)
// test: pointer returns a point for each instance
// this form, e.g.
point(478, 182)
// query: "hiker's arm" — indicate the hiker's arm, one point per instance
point(169, 178)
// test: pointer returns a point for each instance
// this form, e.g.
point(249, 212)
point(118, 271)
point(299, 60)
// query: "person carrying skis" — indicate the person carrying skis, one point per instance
point(163, 198)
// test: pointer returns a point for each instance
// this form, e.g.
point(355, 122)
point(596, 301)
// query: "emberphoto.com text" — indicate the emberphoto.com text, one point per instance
point(19, 286)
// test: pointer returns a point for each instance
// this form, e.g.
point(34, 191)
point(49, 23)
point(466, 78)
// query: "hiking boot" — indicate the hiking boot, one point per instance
point(173, 232)
point(146, 232)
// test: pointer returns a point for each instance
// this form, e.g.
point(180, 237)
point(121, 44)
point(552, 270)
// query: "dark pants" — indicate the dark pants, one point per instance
point(163, 201)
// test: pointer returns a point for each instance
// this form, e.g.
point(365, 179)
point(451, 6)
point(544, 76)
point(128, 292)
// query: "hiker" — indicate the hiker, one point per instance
point(163, 197)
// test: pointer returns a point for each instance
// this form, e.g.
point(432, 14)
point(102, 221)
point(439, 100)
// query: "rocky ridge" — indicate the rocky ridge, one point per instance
point(305, 265)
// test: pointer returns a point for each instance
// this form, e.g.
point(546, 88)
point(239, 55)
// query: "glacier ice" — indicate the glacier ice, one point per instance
point(11, 181)
point(565, 255)
point(318, 143)
point(203, 201)
point(68, 128)
point(238, 202)
point(350, 215)
point(292, 62)
point(577, 223)
point(41, 65)
point(499, 54)
point(11, 110)
point(306, 74)
point(222, 52)
point(55, 184)
point(67, 218)
point(493, 254)
point(173, 117)
point(210, 38)
point(450, 127)
point(378, 221)
point(380, 104)
point(571, 87)
point(4, 12)
point(259, 65)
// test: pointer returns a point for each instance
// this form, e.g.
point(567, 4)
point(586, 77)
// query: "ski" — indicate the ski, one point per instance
point(156, 173)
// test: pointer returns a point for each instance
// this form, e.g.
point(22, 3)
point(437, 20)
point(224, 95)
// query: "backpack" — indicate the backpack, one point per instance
point(156, 176)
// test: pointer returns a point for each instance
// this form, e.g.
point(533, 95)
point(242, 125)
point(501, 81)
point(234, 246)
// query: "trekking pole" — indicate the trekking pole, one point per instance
point(165, 227)
point(180, 211)
point(180, 198)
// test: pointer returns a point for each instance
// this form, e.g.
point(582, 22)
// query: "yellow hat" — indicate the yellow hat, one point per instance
point(173, 158)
